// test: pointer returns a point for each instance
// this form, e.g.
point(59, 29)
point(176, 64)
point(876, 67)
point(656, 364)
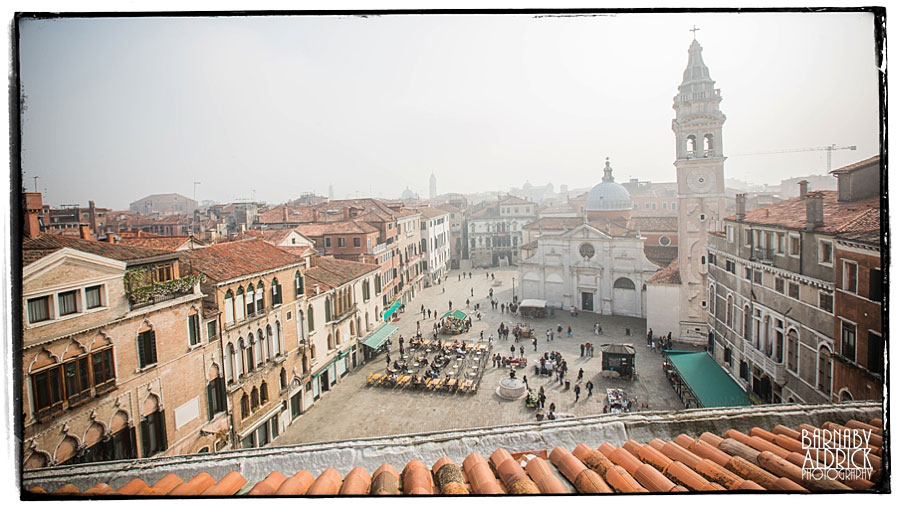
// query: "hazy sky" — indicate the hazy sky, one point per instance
point(120, 108)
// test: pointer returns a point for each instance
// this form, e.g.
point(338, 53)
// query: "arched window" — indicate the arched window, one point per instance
point(304, 365)
point(330, 342)
point(312, 351)
point(352, 328)
point(691, 145)
point(623, 283)
point(251, 364)
point(251, 302)
point(260, 297)
point(708, 145)
point(327, 309)
point(712, 300)
point(824, 374)
point(242, 364)
point(263, 393)
point(254, 399)
point(298, 285)
point(259, 348)
point(792, 350)
point(229, 362)
point(729, 316)
point(337, 337)
point(229, 308)
point(276, 292)
point(239, 305)
point(846, 396)
point(245, 406)
point(309, 318)
point(282, 379)
point(277, 339)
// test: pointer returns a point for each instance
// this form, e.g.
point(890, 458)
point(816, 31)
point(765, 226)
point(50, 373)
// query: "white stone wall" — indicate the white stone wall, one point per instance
point(664, 309)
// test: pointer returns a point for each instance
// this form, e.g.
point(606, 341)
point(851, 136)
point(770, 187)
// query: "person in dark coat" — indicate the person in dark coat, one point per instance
point(590, 388)
point(577, 391)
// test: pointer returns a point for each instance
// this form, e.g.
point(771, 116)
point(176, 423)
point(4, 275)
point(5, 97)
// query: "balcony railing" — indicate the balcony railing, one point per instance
point(377, 249)
point(767, 364)
point(155, 299)
point(764, 254)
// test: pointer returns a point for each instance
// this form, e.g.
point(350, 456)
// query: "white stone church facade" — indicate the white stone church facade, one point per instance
point(590, 269)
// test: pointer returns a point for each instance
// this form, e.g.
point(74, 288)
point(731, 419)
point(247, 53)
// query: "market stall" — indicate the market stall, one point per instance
point(454, 322)
point(618, 360)
point(618, 401)
point(533, 308)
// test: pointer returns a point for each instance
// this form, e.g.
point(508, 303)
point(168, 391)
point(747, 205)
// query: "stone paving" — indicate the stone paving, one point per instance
point(352, 409)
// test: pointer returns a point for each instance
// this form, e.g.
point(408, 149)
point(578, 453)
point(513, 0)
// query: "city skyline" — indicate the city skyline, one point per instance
point(298, 100)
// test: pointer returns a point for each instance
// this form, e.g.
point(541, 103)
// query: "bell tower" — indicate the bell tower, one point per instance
point(700, 170)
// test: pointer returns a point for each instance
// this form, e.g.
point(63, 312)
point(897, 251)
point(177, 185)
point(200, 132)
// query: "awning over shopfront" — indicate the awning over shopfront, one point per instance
point(390, 311)
point(711, 386)
point(456, 314)
point(380, 336)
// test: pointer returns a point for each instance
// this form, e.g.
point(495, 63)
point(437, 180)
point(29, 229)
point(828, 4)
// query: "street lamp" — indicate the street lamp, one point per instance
point(514, 289)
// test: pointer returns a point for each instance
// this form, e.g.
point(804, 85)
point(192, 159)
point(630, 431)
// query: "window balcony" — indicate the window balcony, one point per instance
point(772, 368)
point(764, 254)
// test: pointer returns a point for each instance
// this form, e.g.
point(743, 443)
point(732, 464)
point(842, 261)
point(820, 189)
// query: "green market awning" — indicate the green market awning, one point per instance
point(380, 336)
point(456, 314)
point(707, 380)
point(390, 311)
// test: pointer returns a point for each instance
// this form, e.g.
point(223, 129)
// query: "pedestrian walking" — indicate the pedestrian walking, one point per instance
point(548, 335)
point(582, 350)
point(542, 397)
point(525, 379)
point(570, 331)
point(649, 336)
point(595, 327)
point(559, 328)
point(491, 341)
point(577, 392)
point(522, 351)
point(512, 350)
point(551, 335)
point(590, 388)
point(472, 292)
point(534, 342)
point(481, 336)
point(580, 374)
point(450, 305)
point(429, 313)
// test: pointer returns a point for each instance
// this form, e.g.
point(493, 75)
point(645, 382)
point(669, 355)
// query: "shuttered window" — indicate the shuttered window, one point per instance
point(146, 348)
point(153, 433)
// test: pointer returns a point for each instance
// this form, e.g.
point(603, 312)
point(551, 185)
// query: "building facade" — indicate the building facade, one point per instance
point(495, 231)
point(773, 310)
point(117, 361)
point(164, 204)
point(435, 243)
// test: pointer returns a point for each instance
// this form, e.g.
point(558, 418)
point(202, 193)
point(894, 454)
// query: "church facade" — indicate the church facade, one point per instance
point(596, 266)
point(700, 172)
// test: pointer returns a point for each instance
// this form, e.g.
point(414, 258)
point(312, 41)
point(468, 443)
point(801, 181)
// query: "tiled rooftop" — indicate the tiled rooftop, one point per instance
point(45, 244)
point(171, 243)
point(655, 223)
point(865, 228)
point(757, 459)
point(235, 259)
point(791, 213)
point(342, 227)
point(430, 212)
point(282, 214)
point(667, 275)
point(857, 165)
point(331, 273)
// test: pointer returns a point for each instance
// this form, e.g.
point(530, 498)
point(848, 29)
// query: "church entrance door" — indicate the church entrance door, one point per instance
point(587, 301)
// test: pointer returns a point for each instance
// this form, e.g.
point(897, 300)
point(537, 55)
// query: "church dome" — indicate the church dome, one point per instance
point(407, 194)
point(608, 195)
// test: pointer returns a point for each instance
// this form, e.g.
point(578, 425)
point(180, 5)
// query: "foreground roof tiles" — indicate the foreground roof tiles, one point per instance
point(791, 213)
point(735, 461)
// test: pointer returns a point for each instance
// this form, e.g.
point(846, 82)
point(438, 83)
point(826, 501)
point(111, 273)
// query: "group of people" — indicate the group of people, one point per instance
point(660, 342)
point(500, 361)
point(587, 349)
point(552, 363)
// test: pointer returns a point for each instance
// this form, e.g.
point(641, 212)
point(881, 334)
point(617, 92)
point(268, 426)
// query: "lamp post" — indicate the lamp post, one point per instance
point(514, 289)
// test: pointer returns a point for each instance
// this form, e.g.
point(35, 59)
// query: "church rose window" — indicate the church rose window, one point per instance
point(586, 250)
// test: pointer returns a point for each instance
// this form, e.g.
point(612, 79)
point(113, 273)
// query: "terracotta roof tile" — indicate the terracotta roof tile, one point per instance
point(331, 273)
point(226, 261)
point(45, 244)
point(791, 213)
point(760, 460)
point(170, 243)
point(430, 212)
point(668, 275)
point(857, 165)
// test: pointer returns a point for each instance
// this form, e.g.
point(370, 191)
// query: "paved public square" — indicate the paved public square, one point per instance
point(352, 409)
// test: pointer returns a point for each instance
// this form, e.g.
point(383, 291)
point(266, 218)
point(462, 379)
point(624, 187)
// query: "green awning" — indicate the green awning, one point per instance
point(390, 311)
point(380, 336)
point(708, 381)
point(457, 314)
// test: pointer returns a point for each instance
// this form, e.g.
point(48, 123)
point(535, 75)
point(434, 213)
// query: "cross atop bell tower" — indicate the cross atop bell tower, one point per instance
point(695, 30)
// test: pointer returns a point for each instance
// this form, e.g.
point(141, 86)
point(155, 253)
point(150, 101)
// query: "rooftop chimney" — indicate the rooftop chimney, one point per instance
point(285, 213)
point(815, 210)
point(804, 187)
point(84, 231)
point(110, 238)
point(33, 208)
point(740, 205)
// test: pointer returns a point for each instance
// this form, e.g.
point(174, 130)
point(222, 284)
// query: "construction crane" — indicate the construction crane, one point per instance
point(827, 149)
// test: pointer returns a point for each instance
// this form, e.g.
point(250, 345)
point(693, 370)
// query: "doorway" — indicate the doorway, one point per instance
point(587, 301)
